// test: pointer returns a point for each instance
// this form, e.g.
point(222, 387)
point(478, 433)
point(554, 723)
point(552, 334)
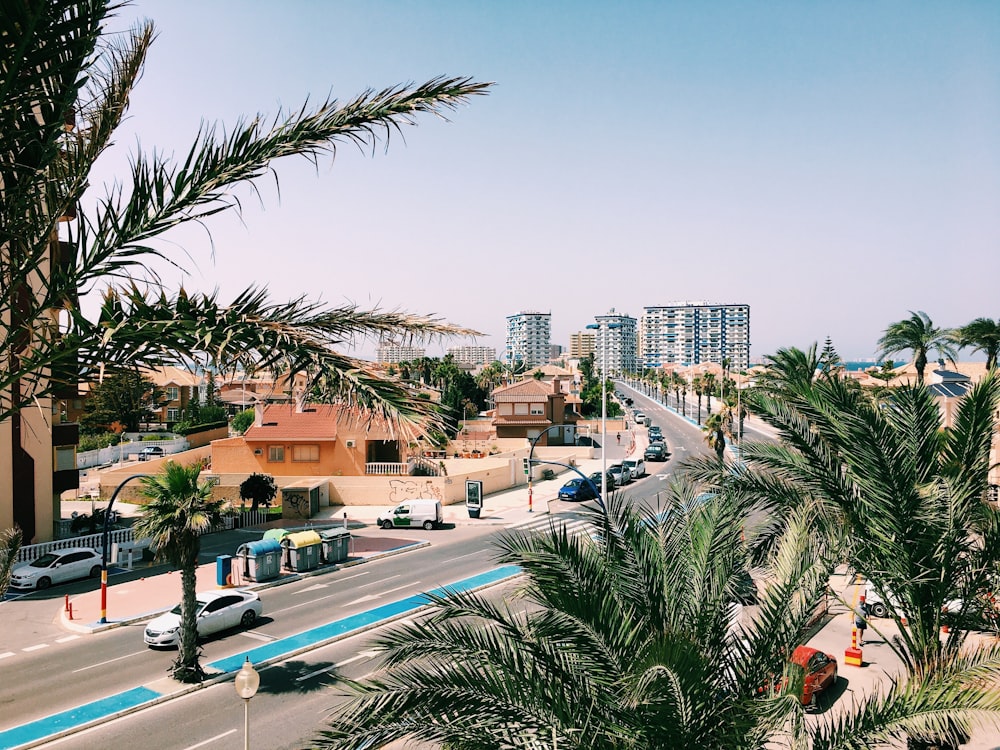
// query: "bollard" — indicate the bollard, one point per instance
point(70, 610)
point(66, 604)
point(852, 655)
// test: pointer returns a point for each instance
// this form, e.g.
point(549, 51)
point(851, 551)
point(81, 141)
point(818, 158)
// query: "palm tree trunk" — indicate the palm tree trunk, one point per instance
point(187, 668)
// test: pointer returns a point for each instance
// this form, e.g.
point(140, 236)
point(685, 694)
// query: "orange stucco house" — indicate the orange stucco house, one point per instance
point(528, 408)
point(300, 440)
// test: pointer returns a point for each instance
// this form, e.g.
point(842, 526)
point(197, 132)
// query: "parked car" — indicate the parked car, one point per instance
point(654, 432)
point(56, 567)
point(577, 490)
point(420, 512)
point(610, 481)
point(636, 467)
point(820, 672)
point(655, 452)
point(217, 611)
point(621, 474)
point(150, 452)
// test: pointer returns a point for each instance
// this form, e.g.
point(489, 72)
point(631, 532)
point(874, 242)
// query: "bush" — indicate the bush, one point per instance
point(186, 428)
point(242, 421)
point(98, 441)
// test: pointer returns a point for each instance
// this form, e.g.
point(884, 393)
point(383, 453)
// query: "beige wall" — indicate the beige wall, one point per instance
point(130, 493)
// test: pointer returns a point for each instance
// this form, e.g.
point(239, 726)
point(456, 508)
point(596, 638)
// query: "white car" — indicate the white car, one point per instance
point(217, 611)
point(635, 466)
point(55, 567)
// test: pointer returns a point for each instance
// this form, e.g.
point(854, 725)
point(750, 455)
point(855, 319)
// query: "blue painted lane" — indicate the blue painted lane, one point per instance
point(360, 621)
point(114, 704)
point(76, 717)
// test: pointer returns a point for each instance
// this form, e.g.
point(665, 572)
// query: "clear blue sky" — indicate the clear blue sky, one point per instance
point(834, 165)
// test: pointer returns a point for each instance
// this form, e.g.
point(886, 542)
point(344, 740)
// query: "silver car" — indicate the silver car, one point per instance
point(55, 567)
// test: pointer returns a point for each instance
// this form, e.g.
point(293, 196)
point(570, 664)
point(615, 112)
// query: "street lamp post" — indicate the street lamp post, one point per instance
point(247, 681)
point(104, 550)
point(604, 401)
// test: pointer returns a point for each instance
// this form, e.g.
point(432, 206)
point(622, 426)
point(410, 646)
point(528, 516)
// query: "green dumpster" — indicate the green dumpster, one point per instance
point(336, 544)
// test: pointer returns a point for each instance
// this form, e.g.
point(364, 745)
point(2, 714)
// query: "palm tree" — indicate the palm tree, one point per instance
point(981, 335)
point(717, 426)
point(900, 495)
point(918, 334)
point(10, 543)
point(790, 369)
point(628, 641)
point(699, 389)
point(180, 510)
point(708, 380)
point(61, 66)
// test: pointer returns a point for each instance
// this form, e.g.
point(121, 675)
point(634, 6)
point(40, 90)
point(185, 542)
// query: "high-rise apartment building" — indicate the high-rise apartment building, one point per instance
point(581, 344)
point(393, 353)
point(528, 338)
point(615, 339)
point(473, 355)
point(689, 333)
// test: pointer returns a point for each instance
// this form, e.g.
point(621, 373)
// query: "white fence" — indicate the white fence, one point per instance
point(95, 541)
point(116, 453)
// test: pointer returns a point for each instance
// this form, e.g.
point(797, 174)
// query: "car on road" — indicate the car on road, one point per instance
point(56, 567)
point(654, 432)
point(636, 467)
point(609, 481)
point(150, 452)
point(216, 611)
point(577, 490)
point(655, 452)
point(621, 474)
point(424, 512)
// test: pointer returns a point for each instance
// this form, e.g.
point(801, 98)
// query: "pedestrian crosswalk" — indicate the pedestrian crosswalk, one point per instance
point(541, 525)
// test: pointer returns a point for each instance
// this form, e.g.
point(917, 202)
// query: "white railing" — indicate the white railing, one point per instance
point(116, 453)
point(387, 469)
point(31, 552)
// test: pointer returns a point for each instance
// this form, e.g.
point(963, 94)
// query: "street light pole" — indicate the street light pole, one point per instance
point(247, 681)
point(104, 551)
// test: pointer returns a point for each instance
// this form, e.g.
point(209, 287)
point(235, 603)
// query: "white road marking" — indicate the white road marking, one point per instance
point(380, 580)
point(347, 578)
point(258, 636)
point(109, 661)
point(471, 554)
point(6, 654)
point(300, 604)
point(67, 638)
point(312, 588)
point(35, 648)
point(369, 654)
point(210, 740)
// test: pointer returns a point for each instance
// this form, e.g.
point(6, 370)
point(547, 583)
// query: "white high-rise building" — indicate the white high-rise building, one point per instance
point(689, 333)
point(393, 353)
point(473, 355)
point(528, 338)
point(615, 334)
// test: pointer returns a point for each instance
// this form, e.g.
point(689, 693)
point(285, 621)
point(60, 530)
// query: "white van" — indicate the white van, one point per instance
point(419, 512)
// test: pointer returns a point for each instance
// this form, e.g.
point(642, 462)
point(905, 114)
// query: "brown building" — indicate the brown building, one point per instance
point(529, 408)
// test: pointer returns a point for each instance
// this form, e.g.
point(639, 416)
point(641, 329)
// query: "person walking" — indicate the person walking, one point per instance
point(860, 619)
point(619, 436)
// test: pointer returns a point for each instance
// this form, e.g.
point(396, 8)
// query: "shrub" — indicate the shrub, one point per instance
point(242, 421)
point(100, 440)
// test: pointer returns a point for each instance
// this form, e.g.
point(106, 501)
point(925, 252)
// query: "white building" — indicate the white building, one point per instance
point(473, 355)
point(615, 338)
point(690, 333)
point(528, 338)
point(393, 353)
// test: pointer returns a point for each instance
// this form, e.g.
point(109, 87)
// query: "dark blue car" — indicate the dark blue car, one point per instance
point(578, 490)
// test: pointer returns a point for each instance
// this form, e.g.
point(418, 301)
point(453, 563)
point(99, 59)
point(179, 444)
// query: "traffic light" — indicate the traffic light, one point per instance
point(527, 465)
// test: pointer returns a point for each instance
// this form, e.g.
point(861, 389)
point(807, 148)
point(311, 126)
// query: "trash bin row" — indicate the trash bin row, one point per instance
point(297, 551)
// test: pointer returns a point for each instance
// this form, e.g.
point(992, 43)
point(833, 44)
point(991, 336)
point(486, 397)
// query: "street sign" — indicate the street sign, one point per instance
point(527, 465)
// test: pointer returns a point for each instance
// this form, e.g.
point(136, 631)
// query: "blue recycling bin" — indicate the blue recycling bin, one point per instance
point(224, 570)
point(261, 560)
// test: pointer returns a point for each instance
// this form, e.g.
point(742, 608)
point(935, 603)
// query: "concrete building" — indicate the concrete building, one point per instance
point(581, 344)
point(473, 355)
point(393, 353)
point(528, 338)
point(690, 333)
point(616, 339)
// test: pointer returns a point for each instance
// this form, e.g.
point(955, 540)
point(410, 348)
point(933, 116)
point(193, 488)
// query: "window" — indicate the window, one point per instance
point(276, 453)
point(520, 409)
point(173, 414)
point(506, 409)
point(65, 458)
point(305, 453)
point(538, 409)
point(173, 393)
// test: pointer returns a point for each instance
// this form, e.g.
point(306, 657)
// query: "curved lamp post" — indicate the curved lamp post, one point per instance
point(604, 327)
point(104, 542)
point(247, 681)
point(531, 461)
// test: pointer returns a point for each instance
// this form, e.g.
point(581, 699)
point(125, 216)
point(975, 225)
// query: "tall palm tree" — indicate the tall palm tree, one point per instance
point(981, 335)
point(180, 510)
point(919, 335)
point(627, 641)
point(708, 380)
point(790, 369)
point(62, 66)
point(699, 388)
point(717, 426)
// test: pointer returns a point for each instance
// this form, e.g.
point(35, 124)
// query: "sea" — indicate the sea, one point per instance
point(858, 366)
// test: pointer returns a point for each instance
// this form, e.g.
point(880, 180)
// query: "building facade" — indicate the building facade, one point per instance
point(615, 343)
point(690, 333)
point(528, 338)
point(581, 344)
point(393, 353)
point(473, 355)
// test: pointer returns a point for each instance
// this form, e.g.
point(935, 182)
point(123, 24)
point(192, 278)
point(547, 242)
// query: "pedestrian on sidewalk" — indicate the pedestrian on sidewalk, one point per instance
point(860, 619)
point(619, 437)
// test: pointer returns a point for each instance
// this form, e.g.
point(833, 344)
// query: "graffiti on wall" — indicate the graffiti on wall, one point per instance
point(401, 490)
